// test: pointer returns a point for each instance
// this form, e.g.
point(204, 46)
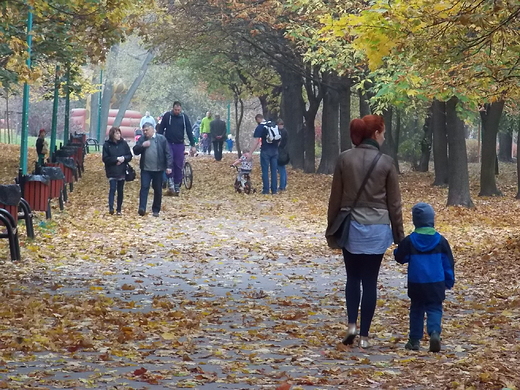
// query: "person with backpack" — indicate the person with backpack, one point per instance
point(267, 134)
point(283, 155)
point(174, 124)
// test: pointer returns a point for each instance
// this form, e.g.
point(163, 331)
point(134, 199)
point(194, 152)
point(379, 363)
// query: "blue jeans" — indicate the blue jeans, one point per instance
point(269, 161)
point(433, 312)
point(119, 185)
point(156, 178)
point(283, 177)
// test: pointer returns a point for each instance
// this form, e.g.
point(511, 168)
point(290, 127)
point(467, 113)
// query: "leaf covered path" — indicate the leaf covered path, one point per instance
point(227, 291)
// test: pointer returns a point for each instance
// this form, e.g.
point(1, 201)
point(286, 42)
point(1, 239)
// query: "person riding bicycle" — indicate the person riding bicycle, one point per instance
point(246, 164)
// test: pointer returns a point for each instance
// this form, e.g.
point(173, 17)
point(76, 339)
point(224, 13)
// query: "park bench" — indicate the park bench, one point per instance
point(10, 196)
point(12, 201)
point(57, 182)
point(92, 142)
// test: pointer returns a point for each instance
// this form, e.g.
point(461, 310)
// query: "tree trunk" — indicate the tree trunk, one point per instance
point(268, 112)
point(518, 162)
point(131, 91)
point(94, 108)
point(7, 116)
point(293, 110)
point(314, 91)
point(458, 193)
point(364, 106)
point(108, 90)
point(426, 142)
point(106, 99)
point(330, 132)
point(389, 146)
point(239, 116)
point(490, 120)
point(440, 143)
point(344, 113)
point(505, 146)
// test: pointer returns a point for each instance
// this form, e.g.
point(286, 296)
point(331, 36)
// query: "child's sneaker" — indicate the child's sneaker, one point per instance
point(413, 345)
point(435, 342)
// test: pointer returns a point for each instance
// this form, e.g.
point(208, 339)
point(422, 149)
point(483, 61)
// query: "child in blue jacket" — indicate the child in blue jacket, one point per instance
point(430, 273)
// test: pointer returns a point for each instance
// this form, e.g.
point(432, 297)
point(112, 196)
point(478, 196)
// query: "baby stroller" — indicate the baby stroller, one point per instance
point(243, 182)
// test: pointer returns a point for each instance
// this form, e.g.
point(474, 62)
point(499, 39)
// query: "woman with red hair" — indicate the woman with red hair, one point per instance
point(365, 184)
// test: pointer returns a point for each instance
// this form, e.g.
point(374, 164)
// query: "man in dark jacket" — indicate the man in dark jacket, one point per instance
point(155, 159)
point(174, 125)
point(217, 129)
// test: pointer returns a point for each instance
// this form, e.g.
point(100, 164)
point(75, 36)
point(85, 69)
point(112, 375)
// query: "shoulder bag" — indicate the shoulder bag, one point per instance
point(343, 218)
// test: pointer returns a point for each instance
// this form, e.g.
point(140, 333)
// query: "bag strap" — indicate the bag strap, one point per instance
point(372, 166)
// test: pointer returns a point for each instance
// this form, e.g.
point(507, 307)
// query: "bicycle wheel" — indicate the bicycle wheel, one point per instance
point(187, 175)
point(247, 188)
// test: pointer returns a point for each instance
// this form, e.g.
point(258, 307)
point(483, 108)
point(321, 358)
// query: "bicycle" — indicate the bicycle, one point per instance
point(187, 175)
point(243, 182)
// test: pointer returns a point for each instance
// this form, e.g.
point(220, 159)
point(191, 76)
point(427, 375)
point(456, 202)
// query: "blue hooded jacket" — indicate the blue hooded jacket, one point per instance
point(429, 257)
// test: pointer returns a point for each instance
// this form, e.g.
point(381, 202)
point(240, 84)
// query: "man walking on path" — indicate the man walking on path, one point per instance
point(174, 125)
point(268, 154)
point(156, 158)
point(205, 127)
point(218, 134)
point(147, 118)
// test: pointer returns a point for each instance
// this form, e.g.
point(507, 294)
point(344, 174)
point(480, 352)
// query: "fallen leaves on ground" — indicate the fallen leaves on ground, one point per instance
point(233, 291)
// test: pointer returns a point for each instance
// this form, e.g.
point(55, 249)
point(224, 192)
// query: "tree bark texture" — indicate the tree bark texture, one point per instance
point(505, 147)
point(364, 106)
point(426, 143)
point(131, 91)
point(389, 146)
point(440, 143)
point(108, 91)
point(94, 108)
point(293, 110)
point(239, 115)
point(458, 193)
point(490, 120)
point(314, 92)
point(330, 131)
point(344, 113)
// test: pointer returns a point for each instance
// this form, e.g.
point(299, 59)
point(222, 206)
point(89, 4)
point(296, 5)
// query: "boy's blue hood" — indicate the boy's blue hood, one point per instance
point(425, 242)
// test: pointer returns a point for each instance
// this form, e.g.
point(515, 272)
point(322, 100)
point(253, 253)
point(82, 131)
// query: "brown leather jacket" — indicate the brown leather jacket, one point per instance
point(381, 191)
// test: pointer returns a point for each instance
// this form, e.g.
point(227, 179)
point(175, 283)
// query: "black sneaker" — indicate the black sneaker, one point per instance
point(435, 342)
point(155, 214)
point(111, 212)
point(141, 212)
point(413, 345)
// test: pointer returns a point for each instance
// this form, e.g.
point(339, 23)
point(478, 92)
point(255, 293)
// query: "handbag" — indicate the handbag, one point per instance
point(129, 173)
point(340, 228)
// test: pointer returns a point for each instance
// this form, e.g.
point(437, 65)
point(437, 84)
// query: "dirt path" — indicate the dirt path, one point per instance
point(222, 291)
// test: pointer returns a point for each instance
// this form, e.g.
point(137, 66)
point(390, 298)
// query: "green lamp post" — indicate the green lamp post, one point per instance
point(25, 106)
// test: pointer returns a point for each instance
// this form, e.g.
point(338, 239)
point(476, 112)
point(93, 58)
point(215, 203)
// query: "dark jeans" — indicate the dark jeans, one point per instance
point(119, 185)
point(283, 177)
point(433, 312)
point(177, 151)
point(155, 177)
point(361, 270)
point(269, 162)
point(217, 147)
